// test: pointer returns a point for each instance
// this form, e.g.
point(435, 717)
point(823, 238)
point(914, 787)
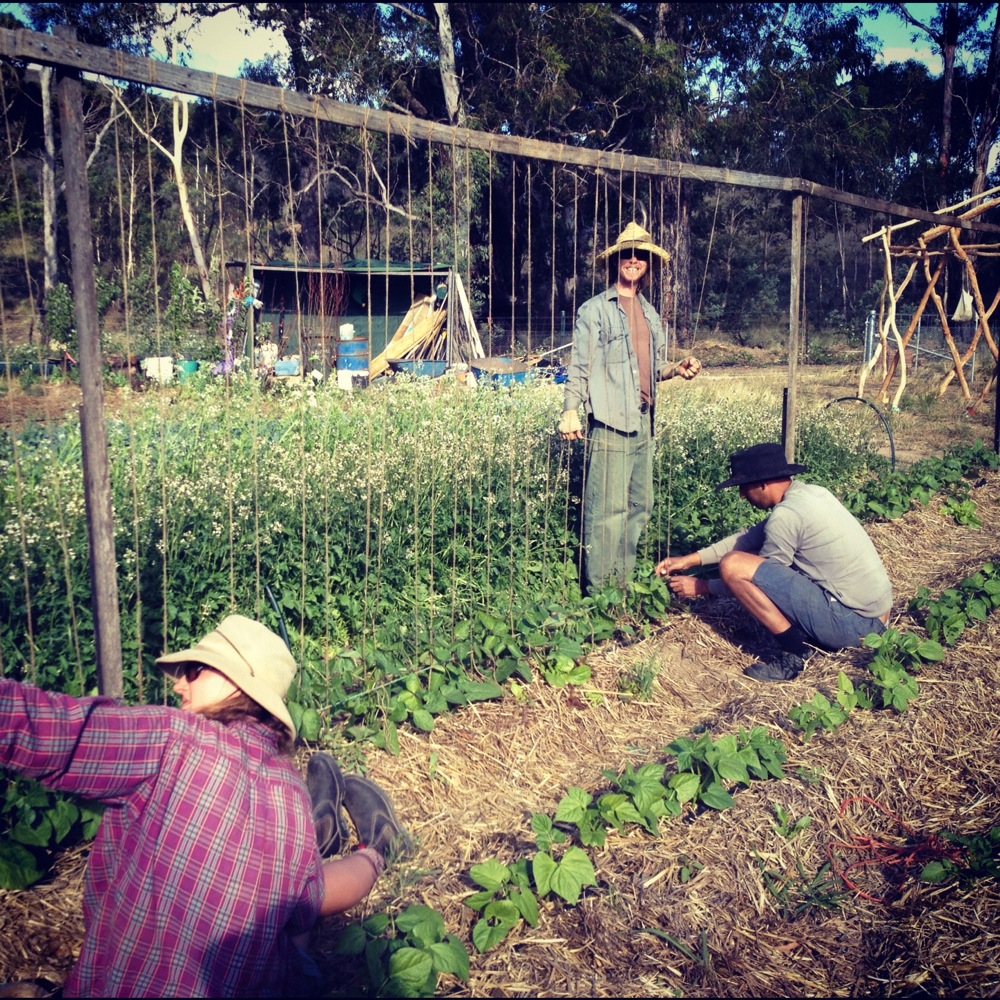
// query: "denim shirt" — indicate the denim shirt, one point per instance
point(603, 372)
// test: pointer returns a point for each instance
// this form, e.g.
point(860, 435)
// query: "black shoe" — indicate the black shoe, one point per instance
point(374, 818)
point(778, 666)
point(326, 789)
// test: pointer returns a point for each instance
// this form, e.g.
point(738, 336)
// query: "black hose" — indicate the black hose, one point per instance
point(281, 617)
point(878, 413)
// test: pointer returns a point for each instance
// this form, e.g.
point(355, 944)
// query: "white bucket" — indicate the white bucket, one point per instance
point(347, 331)
point(158, 369)
point(345, 379)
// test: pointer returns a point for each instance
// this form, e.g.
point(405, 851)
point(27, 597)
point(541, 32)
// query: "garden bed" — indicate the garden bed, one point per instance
point(448, 558)
point(467, 790)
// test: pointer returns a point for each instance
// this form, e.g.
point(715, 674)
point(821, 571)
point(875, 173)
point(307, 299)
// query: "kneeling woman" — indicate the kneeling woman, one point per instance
point(205, 868)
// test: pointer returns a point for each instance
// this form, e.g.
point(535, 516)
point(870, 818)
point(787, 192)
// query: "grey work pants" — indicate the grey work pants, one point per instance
point(617, 501)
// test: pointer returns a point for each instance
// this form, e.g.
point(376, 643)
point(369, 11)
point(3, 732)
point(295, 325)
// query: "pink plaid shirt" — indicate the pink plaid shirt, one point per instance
point(205, 864)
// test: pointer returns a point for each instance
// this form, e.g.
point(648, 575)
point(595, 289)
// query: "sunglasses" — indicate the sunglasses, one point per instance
point(189, 671)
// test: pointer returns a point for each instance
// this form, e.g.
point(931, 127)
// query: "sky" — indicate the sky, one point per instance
point(220, 46)
point(896, 43)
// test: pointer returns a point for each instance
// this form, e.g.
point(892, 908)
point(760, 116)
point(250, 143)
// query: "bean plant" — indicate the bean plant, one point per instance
point(421, 539)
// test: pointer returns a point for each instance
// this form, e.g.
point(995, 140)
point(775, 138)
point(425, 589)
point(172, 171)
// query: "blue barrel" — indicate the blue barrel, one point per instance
point(352, 355)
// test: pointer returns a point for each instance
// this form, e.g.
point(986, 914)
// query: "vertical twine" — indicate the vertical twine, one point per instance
point(670, 289)
point(513, 250)
point(16, 456)
point(489, 254)
point(531, 271)
point(247, 224)
point(324, 446)
point(409, 217)
point(130, 411)
point(552, 269)
point(303, 504)
point(162, 466)
point(430, 199)
point(368, 299)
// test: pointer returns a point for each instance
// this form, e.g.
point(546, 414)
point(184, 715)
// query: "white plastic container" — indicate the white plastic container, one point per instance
point(347, 331)
point(158, 369)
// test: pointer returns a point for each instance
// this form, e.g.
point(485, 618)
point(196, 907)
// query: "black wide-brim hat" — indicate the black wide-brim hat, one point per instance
point(758, 464)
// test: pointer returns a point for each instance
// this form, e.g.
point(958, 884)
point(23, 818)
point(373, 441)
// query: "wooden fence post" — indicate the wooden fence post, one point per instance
point(96, 477)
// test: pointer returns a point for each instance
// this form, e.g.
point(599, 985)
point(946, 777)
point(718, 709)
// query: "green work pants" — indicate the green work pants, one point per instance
point(617, 501)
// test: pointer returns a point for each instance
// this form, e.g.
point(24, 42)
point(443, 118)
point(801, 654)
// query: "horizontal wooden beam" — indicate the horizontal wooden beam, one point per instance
point(37, 47)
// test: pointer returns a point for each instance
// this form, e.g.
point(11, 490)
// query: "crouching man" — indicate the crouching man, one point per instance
point(808, 572)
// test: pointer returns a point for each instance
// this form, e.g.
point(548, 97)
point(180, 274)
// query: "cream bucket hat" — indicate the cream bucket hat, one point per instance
point(255, 659)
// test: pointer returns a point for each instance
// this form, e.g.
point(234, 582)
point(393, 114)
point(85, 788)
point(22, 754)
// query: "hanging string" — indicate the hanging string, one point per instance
point(408, 142)
point(670, 289)
point(489, 252)
point(601, 181)
point(293, 228)
point(513, 251)
point(130, 412)
point(165, 534)
point(573, 502)
point(468, 227)
point(430, 201)
point(531, 271)
point(386, 251)
point(552, 269)
point(332, 286)
point(229, 350)
point(19, 484)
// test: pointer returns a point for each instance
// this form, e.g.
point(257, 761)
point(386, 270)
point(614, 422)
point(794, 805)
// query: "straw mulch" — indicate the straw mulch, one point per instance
point(467, 791)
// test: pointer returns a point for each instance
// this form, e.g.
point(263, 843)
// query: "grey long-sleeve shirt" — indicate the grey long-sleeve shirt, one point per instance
point(814, 533)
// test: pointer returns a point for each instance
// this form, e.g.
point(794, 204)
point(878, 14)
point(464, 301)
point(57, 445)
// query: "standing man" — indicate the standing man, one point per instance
point(619, 354)
point(808, 572)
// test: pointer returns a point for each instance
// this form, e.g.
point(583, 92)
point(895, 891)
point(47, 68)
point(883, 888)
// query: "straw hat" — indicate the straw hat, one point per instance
point(760, 464)
point(634, 237)
point(248, 653)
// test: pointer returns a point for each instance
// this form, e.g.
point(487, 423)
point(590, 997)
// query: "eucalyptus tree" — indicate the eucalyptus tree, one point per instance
point(130, 27)
point(956, 30)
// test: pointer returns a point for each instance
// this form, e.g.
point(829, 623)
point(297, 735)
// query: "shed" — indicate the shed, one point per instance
point(304, 305)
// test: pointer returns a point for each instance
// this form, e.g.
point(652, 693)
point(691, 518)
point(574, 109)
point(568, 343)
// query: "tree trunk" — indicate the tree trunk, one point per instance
point(949, 43)
point(675, 226)
point(176, 158)
point(304, 210)
point(50, 250)
point(446, 59)
point(184, 198)
point(461, 194)
point(987, 134)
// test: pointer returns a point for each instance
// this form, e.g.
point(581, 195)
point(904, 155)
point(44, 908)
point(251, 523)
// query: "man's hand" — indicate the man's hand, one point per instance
point(686, 369)
point(683, 586)
point(677, 564)
point(570, 428)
